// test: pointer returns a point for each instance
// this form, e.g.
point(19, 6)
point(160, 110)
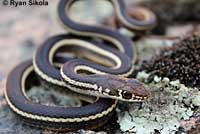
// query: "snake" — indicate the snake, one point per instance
point(54, 118)
point(108, 83)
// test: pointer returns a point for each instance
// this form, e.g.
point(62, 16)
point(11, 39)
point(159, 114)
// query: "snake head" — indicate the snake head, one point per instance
point(124, 89)
point(134, 90)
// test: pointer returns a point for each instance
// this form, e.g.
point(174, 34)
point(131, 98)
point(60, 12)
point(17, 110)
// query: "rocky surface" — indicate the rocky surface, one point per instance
point(173, 107)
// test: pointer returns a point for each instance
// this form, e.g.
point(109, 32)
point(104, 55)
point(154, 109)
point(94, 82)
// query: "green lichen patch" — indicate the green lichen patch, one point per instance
point(171, 102)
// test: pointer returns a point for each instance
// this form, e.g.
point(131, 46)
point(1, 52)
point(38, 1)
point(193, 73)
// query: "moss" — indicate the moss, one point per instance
point(180, 62)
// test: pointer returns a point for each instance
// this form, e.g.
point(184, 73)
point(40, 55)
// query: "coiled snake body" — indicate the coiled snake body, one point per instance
point(108, 84)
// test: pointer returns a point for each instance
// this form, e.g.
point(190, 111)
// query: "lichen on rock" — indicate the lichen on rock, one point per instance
point(165, 109)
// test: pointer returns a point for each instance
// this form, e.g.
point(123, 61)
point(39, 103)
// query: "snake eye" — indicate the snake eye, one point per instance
point(126, 95)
